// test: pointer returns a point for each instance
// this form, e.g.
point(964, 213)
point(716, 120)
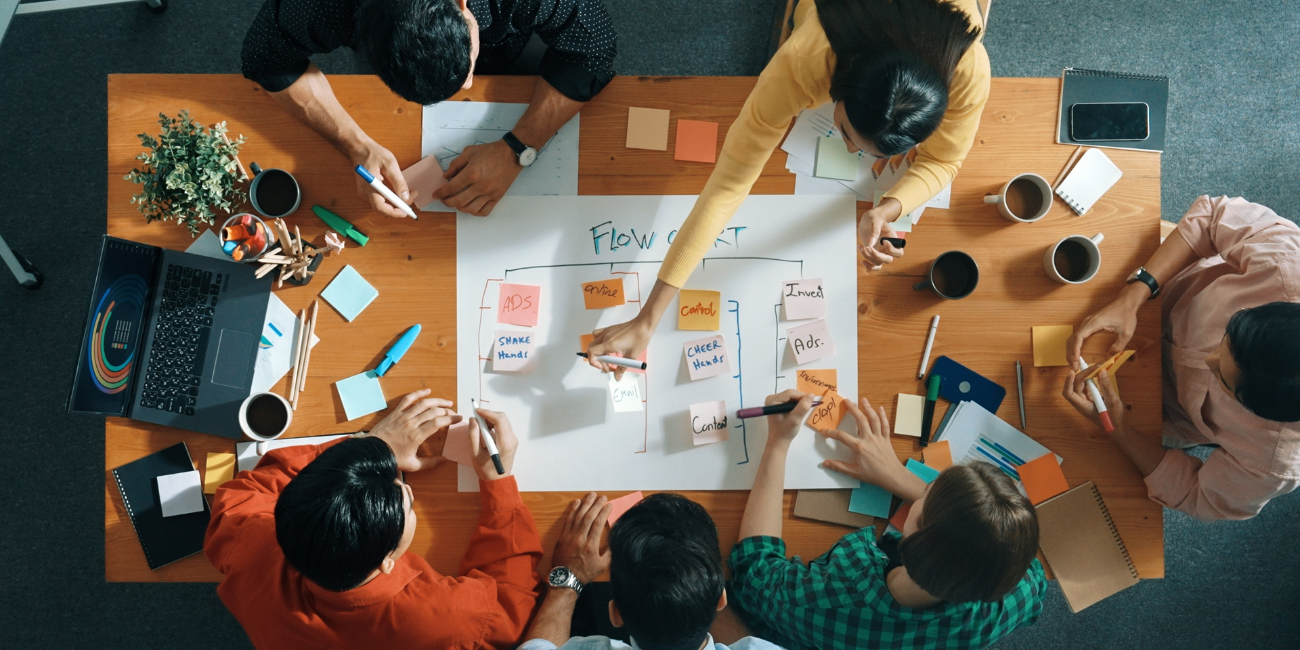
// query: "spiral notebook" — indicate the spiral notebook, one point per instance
point(1080, 86)
point(1090, 178)
point(164, 539)
point(1083, 548)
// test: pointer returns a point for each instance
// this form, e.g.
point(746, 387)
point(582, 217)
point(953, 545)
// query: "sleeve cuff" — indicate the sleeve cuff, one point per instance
point(572, 79)
point(274, 79)
point(750, 549)
point(1194, 227)
point(498, 495)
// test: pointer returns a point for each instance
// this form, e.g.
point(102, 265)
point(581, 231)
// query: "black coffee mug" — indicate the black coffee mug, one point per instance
point(952, 275)
point(274, 193)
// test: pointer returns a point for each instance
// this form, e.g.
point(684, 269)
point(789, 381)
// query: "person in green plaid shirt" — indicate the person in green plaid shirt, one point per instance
point(961, 575)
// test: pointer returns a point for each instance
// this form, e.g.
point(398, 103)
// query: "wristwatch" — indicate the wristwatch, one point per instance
point(1141, 275)
point(561, 576)
point(527, 155)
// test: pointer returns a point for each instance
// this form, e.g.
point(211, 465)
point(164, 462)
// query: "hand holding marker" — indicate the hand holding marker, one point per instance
point(1103, 413)
point(385, 192)
point(488, 440)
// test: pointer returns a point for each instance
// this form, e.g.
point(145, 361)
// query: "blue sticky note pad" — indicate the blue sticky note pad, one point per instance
point(868, 499)
point(349, 293)
point(361, 395)
point(961, 384)
point(925, 472)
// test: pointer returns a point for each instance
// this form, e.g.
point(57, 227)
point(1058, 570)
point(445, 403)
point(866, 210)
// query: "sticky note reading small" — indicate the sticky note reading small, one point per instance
point(908, 415)
point(603, 293)
point(517, 304)
point(810, 342)
point(709, 422)
point(706, 357)
point(696, 141)
point(626, 394)
point(803, 299)
point(361, 395)
point(349, 293)
point(1049, 344)
point(621, 505)
point(220, 468)
point(834, 159)
point(829, 413)
point(585, 342)
point(923, 471)
point(180, 494)
point(699, 310)
point(870, 499)
point(938, 455)
point(647, 128)
point(816, 381)
point(512, 351)
point(1042, 478)
point(459, 448)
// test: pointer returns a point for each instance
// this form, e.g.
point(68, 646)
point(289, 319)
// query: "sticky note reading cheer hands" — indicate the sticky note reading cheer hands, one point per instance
point(706, 357)
point(699, 310)
point(603, 293)
point(810, 342)
point(517, 304)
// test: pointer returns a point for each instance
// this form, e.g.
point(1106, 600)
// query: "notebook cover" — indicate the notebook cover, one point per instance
point(1092, 176)
point(1080, 86)
point(830, 506)
point(963, 384)
point(1083, 548)
point(164, 539)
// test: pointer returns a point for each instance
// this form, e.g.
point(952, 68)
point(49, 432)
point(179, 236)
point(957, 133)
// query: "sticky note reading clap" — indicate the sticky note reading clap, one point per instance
point(512, 351)
point(647, 128)
point(696, 141)
point(349, 293)
point(810, 342)
point(908, 415)
point(706, 357)
point(626, 394)
point(517, 304)
point(829, 413)
point(709, 422)
point(621, 505)
point(1042, 478)
point(1049, 344)
point(803, 299)
point(834, 159)
point(180, 494)
point(221, 468)
point(361, 395)
point(699, 310)
point(602, 294)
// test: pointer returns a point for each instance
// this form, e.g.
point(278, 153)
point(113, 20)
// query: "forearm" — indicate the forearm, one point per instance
point(548, 111)
point(311, 101)
point(1174, 255)
point(652, 311)
point(763, 510)
point(1144, 451)
point(890, 209)
point(552, 622)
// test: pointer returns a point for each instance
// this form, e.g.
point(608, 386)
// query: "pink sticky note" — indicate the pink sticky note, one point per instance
point(513, 351)
point(423, 179)
point(708, 422)
point(803, 299)
point(622, 505)
point(810, 342)
point(707, 357)
point(517, 304)
point(458, 447)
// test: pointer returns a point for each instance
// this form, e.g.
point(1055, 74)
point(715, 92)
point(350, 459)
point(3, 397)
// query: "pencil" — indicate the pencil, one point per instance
point(297, 358)
point(1020, 393)
point(929, 341)
point(1068, 164)
point(306, 348)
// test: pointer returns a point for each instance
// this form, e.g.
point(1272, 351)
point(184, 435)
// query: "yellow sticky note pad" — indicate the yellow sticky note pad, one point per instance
point(699, 310)
point(221, 468)
point(1049, 344)
point(908, 415)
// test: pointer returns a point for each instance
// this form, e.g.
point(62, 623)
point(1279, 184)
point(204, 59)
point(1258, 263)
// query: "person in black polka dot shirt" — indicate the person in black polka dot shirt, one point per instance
point(425, 51)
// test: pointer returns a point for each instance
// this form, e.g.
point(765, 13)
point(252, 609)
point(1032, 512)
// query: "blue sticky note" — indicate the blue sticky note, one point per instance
point(925, 472)
point(349, 293)
point(869, 499)
point(361, 395)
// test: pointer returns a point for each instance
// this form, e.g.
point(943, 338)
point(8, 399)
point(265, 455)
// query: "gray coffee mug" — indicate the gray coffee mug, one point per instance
point(274, 193)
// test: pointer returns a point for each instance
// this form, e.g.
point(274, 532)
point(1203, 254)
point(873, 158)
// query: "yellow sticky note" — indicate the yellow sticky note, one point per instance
point(221, 468)
point(1049, 344)
point(828, 414)
point(647, 128)
point(1112, 366)
point(603, 293)
point(908, 415)
point(699, 310)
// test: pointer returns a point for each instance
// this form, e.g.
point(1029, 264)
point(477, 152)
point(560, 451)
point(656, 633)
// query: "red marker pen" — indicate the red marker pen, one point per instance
point(1106, 424)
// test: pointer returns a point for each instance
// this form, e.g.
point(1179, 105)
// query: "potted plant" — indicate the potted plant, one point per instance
point(188, 172)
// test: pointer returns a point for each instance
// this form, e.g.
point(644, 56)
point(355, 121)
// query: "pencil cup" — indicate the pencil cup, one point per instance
point(244, 237)
point(264, 417)
point(1024, 199)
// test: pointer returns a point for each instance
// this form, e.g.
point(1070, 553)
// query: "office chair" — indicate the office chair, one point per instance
point(11, 8)
point(23, 270)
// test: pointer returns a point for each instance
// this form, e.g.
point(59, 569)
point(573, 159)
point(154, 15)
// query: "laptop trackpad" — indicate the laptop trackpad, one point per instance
point(235, 352)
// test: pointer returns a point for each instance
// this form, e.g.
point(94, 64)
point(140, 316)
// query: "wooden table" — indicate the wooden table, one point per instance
point(404, 259)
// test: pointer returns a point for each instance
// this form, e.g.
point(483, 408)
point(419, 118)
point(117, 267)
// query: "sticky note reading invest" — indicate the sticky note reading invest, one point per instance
point(459, 448)
point(698, 310)
point(647, 128)
point(908, 415)
point(709, 422)
point(938, 455)
point(870, 499)
point(585, 342)
point(517, 304)
point(180, 494)
point(803, 299)
point(834, 159)
point(603, 293)
point(1049, 344)
point(829, 413)
point(221, 468)
point(810, 342)
point(816, 381)
point(361, 395)
point(512, 351)
point(1042, 478)
point(621, 505)
point(696, 141)
point(706, 357)
point(626, 394)
point(349, 293)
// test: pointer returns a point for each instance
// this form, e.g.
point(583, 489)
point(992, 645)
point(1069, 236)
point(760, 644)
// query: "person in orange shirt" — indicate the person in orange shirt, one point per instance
point(312, 544)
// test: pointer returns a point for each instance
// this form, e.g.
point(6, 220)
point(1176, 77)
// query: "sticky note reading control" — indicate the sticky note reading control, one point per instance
point(513, 351)
point(706, 357)
point(803, 299)
point(810, 342)
point(699, 310)
point(603, 293)
point(517, 304)
point(709, 422)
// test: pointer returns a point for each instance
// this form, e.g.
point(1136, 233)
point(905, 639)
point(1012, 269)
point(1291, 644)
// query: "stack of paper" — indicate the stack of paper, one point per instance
point(974, 434)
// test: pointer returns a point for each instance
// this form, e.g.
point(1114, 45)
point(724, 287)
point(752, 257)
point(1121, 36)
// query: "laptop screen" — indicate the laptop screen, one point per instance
point(112, 342)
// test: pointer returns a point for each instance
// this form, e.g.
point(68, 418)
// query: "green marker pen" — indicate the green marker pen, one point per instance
point(927, 417)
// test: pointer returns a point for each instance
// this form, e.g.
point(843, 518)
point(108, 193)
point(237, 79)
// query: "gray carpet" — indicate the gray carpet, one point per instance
point(1234, 129)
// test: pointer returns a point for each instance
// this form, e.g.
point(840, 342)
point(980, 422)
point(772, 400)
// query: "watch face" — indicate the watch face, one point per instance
point(559, 576)
point(527, 157)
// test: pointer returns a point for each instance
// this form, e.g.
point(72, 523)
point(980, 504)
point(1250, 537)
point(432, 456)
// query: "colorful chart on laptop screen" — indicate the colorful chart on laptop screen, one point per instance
point(114, 333)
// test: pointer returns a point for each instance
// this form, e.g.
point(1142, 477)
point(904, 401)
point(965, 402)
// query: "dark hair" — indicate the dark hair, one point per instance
point(894, 60)
point(342, 514)
point(1265, 344)
point(420, 48)
point(666, 572)
point(976, 539)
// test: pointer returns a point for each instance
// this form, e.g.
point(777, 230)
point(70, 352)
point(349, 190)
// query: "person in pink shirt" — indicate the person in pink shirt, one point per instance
point(1230, 279)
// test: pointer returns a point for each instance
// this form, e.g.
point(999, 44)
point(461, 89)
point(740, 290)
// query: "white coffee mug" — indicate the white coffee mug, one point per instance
point(1089, 246)
point(1044, 188)
point(260, 438)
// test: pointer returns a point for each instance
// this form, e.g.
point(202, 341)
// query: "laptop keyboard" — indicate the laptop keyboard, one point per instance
point(180, 344)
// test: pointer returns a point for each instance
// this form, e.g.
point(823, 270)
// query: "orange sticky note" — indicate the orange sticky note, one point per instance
point(696, 141)
point(586, 341)
point(1112, 366)
point(699, 310)
point(621, 505)
point(938, 455)
point(603, 293)
point(647, 128)
point(517, 304)
point(900, 515)
point(828, 414)
point(221, 468)
point(1049, 344)
point(816, 381)
point(1042, 478)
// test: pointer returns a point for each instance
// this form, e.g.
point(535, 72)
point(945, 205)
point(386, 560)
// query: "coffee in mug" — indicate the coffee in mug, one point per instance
point(274, 192)
point(1073, 260)
point(952, 275)
point(1025, 198)
point(264, 417)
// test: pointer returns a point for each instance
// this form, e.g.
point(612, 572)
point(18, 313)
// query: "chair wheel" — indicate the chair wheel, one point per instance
point(157, 9)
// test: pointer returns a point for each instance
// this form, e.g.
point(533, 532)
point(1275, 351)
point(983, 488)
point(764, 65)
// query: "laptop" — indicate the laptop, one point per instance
point(171, 338)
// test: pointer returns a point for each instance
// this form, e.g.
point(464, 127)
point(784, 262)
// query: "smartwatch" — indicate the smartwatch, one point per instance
point(561, 576)
point(527, 155)
point(1141, 275)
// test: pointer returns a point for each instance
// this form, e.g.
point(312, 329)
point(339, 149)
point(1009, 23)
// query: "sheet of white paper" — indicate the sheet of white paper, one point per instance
point(449, 127)
point(798, 165)
point(180, 494)
point(969, 421)
point(811, 124)
point(246, 452)
point(941, 200)
point(809, 184)
point(276, 349)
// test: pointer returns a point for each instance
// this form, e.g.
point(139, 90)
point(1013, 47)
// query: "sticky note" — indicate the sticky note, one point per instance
point(647, 128)
point(900, 516)
point(908, 414)
point(810, 342)
point(706, 357)
point(180, 494)
point(803, 299)
point(458, 448)
point(512, 351)
point(1049, 344)
point(829, 413)
point(708, 422)
point(834, 159)
point(696, 141)
point(517, 304)
point(626, 394)
point(698, 310)
point(1042, 478)
point(1113, 364)
point(221, 468)
point(923, 471)
point(621, 505)
point(361, 395)
point(349, 293)
point(603, 293)
point(423, 179)
point(938, 455)
point(816, 381)
point(585, 342)
point(870, 499)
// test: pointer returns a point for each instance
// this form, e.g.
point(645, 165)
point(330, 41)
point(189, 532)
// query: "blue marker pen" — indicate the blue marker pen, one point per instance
point(385, 192)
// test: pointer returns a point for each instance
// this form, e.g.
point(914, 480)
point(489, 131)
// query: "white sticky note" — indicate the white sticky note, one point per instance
point(709, 422)
point(810, 342)
point(706, 357)
point(513, 351)
point(803, 299)
point(180, 494)
point(907, 415)
point(626, 394)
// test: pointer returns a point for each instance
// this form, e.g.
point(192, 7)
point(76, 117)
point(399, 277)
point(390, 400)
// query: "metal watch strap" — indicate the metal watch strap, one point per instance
point(1142, 276)
point(514, 143)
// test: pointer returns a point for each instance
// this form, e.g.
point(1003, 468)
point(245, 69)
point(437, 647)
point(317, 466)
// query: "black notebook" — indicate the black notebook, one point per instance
point(165, 539)
point(1079, 86)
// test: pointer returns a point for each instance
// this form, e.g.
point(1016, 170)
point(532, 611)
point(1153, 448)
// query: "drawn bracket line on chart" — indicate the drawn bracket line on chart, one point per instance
point(478, 342)
point(740, 379)
point(780, 347)
point(645, 408)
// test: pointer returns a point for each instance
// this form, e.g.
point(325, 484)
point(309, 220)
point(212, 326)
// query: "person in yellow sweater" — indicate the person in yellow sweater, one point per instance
point(902, 74)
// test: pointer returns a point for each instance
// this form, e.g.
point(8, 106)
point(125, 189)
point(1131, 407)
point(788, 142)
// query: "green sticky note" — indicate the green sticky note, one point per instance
point(869, 499)
point(361, 395)
point(349, 293)
point(834, 159)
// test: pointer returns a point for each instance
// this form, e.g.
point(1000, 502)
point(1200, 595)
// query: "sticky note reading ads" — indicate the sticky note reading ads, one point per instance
point(699, 310)
point(517, 304)
point(810, 342)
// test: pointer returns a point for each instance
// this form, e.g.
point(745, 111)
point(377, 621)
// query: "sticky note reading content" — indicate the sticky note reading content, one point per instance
point(517, 304)
point(907, 415)
point(699, 310)
point(180, 494)
point(221, 468)
point(349, 293)
point(810, 342)
point(696, 141)
point(829, 413)
point(803, 299)
point(1042, 478)
point(585, 342)
point(816, 381)
point(1049, 344)
point(706, 357)
point(834, 159)
point(647, 128)
point(621, 505)
point(603, 293)
point(361, 395)
point(626, 394)
point(512, 351)
point(938, 455)
point(709, 422)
